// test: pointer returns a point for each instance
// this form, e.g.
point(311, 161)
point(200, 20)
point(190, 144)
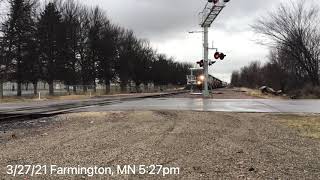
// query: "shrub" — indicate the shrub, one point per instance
point(310, 91)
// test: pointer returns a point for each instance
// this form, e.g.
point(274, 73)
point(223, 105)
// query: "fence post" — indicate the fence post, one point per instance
point(39, 95)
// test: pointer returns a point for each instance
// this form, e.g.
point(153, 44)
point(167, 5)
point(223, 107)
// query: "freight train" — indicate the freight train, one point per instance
point(213, 83)
point(197, 81)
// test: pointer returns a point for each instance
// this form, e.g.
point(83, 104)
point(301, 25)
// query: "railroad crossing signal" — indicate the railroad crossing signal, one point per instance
point(210, 12)
point(212, 62)
point(201, 63)
point(218, 55)
point(216, 1)
point(222, 56)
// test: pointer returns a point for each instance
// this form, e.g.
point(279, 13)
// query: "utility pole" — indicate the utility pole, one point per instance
point(208, 15)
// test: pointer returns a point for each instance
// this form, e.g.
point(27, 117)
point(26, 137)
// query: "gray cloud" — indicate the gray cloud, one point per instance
point(166, 22)
point(155, 18)
point(159, 20)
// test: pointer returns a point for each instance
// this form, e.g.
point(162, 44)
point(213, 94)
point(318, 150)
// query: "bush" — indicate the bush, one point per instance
point(310, 91)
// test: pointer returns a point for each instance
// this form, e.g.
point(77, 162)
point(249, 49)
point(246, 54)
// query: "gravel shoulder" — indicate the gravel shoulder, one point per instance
point(204, 145)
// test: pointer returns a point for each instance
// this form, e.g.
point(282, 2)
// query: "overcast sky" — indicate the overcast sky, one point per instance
point(166, 24)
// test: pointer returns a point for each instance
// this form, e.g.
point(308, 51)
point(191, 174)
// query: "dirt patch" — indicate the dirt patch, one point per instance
point(203, 145)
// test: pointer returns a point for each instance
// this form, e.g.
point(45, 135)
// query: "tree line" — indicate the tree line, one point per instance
point(69, 42)
point(293, 35)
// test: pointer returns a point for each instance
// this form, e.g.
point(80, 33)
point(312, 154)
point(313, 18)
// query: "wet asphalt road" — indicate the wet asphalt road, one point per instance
point(193, 104)
point(221, 105)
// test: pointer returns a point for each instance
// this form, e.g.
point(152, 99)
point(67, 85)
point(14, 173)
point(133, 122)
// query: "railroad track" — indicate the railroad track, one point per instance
point(35, 112)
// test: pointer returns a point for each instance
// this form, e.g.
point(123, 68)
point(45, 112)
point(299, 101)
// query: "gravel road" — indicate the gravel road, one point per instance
point(203, 145)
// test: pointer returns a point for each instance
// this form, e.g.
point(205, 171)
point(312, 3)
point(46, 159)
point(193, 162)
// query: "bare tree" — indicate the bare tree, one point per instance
point(86, 66)
point(235, 78)
point(294, 28)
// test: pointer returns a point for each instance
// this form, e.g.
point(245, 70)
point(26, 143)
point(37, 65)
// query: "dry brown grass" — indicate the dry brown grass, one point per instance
point(35, 98)
point(68, 97)
point(259, 94)
point(307, 126)
point(16, 99)
point(255, 93)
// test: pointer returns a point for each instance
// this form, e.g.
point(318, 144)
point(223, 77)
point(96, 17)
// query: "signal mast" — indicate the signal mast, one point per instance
point(211, 11)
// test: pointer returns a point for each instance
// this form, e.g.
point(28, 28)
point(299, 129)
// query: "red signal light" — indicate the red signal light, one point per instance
point(222, 56)
point(217, 55)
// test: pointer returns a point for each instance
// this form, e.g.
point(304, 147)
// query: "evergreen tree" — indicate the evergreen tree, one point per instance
point(107, 54)
point(19, 35)
point(77, 46)
point(94, 63)
point(127, 49)
point(87, 68)
point(50, 36)
point(71, 56)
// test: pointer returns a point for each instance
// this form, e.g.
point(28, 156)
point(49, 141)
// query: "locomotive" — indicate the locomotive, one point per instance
point(197, 80)
point(213, 83)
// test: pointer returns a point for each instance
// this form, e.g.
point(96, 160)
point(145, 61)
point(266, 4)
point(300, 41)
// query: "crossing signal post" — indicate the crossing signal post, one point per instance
point(211, 11)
